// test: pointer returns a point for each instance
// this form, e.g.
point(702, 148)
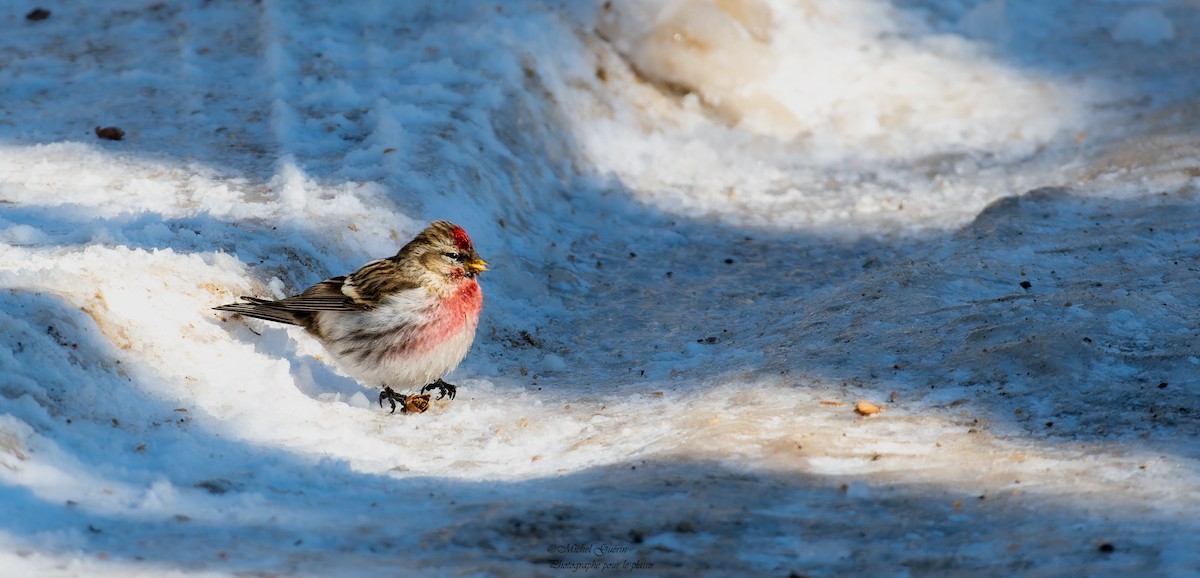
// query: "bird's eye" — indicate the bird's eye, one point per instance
point(455, 256)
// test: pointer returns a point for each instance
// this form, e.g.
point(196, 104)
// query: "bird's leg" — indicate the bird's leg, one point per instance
point(392, 398)
point(444, 389)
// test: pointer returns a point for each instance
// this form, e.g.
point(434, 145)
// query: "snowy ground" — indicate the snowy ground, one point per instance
point(714, 226)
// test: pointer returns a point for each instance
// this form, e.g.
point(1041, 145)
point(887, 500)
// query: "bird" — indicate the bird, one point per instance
point(397, 323)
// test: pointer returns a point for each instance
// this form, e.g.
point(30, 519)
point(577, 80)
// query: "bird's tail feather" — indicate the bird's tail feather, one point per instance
point(262, 309)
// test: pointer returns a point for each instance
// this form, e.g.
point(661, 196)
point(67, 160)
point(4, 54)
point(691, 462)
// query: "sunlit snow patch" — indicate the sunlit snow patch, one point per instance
point(855, 78)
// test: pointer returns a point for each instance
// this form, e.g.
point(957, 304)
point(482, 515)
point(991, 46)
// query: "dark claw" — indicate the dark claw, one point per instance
point(444, 389)
point(392, 398)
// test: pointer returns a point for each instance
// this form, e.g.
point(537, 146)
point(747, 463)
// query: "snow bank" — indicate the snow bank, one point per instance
point(714, 225)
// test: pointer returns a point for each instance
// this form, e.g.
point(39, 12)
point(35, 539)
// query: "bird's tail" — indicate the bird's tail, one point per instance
point(262, 309)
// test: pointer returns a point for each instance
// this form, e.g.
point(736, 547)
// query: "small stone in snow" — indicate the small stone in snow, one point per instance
point(418, 403)
point(110, 133)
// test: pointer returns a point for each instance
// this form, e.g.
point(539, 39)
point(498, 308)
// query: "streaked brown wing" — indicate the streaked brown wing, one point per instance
point(358, 291)
point(324, 296)
point(374, 281)
point(299, 309)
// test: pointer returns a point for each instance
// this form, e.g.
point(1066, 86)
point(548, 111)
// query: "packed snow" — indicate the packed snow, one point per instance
point(714, 226)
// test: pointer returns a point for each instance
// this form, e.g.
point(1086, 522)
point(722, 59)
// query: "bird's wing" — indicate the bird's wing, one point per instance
point(374, 282)
point(362, 289)
point(324, 296)
point(359, 291)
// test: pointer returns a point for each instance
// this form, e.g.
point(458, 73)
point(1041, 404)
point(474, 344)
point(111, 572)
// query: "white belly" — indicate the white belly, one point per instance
point(389, 346)
point(402, 369)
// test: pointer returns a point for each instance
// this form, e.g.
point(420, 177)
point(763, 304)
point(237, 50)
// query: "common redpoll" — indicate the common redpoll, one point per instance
point(400, 322)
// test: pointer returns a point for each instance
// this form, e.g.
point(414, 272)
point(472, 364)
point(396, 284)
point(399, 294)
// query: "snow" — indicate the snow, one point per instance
point(1148, 26)
point(713, 227)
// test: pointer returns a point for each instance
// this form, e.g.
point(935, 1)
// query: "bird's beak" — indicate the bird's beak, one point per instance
point(476, 266)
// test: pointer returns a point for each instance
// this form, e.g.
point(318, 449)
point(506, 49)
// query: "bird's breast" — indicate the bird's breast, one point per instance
point(460, 311)
point(466, 301)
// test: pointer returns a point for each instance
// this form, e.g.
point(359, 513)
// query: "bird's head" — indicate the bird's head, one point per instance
point(444, 250)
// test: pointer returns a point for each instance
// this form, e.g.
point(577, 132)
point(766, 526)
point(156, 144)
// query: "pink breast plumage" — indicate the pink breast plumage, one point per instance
point(459, 312)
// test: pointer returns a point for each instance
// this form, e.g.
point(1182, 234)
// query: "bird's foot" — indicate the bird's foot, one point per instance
point(392, 397)
point(444, 389)
point(416, 403)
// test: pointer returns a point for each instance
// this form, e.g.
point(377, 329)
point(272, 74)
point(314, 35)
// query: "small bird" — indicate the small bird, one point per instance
point(400, 322)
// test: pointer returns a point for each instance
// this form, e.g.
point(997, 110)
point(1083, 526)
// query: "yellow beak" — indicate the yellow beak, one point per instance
point(476, 265)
